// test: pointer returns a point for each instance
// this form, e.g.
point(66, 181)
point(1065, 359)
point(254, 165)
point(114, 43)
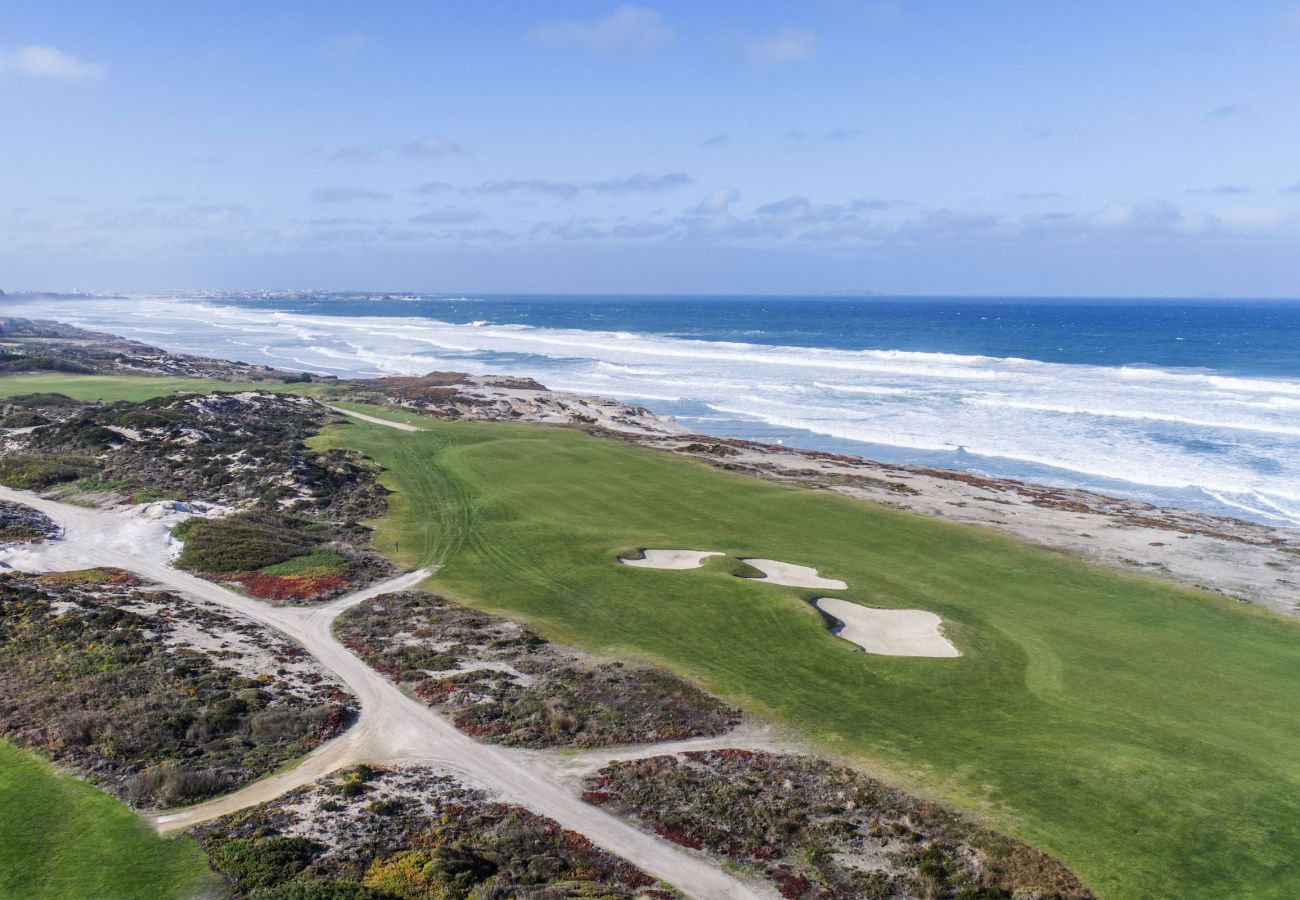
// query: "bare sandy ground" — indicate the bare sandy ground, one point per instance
point(392, 729)
point(777, 572)
point(144, 531)
point(889, 632)
point(670, 559)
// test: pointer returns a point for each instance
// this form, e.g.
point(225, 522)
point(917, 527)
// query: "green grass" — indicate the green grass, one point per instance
point(114, 387)
point(143, 387)
point(62, 838)
point(319, 562)
point(1146, 734)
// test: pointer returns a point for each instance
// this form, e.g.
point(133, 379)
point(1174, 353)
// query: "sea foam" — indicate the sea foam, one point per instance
point(1222, 442)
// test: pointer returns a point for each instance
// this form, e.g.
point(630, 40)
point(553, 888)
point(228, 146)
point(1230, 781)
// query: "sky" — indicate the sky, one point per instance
point(894, 146)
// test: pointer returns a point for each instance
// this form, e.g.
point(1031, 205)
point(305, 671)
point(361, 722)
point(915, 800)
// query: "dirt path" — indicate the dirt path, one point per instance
point(373, 420)
point(392, 729)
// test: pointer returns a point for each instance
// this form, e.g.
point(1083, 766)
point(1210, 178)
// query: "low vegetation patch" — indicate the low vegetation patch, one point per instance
point(38, 471)
point(297, 536)
point(232, 449)
point(408, 833)
point(244, 541)
point(102, 575)
point(277, 556)
point(23, 525)
point(823, 831)
point(160, 701)
point(503, 683)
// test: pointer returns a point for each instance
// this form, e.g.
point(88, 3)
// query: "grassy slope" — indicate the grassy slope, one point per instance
point(63, 838)
point(1145, 733)
point(144, 387)
point(112, 387)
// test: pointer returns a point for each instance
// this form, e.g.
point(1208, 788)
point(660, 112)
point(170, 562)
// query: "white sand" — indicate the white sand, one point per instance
point(777, 572)
point(889, 632)
point(670, 559)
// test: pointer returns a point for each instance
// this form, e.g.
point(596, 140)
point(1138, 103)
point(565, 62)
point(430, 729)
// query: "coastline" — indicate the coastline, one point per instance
point(1248, 562)
point(1159, 409)
point(1000, 604)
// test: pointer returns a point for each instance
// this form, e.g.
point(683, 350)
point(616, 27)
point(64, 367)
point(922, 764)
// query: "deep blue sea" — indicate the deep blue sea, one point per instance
point(1189, 403)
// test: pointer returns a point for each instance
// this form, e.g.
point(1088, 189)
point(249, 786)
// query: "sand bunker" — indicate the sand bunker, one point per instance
point(670, 559)
point(888, 632)
point(777, 572)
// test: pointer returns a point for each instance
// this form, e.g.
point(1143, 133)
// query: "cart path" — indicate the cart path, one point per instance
point(392, 728)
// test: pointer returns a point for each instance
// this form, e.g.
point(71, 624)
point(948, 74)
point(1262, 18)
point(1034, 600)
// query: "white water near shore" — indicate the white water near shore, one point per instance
point(1225, 442)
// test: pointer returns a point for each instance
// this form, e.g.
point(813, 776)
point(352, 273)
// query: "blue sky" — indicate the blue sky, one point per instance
point(1107, 148)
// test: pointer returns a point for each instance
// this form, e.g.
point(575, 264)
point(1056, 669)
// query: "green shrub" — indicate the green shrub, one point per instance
point(43, 364)
point(142, 419)
point(243, 542)
point(90, 485)
point(263, 863)
point(323, 559)
point(39, 401)
point(33, 472)
point(321, 890)
point(23, 418)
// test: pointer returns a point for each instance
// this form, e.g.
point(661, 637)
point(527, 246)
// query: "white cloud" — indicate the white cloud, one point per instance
point(44, 61)
point(356, 153)
point(641, 182)
point(1222, 189)
point(346, 194)
point(1228, 111)
point(785, 46)
point(564, 189)
point(450, 215)
point(1254, 219)
point(717, 202)
point(431, 147)
point(631, 29)
point(567, 190)
point(433, 187)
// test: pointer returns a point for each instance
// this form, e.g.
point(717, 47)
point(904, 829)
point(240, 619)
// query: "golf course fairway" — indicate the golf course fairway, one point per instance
point(1145, 733)
point(65, 840)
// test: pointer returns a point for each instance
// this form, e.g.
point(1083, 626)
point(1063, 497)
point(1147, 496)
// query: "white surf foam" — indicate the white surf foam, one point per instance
point(1232, 440)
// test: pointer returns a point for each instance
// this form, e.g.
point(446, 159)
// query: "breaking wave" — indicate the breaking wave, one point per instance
point(1227, 443)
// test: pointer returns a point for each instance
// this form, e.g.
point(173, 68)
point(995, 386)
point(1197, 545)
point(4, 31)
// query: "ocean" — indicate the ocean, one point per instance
point(1184, 403)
